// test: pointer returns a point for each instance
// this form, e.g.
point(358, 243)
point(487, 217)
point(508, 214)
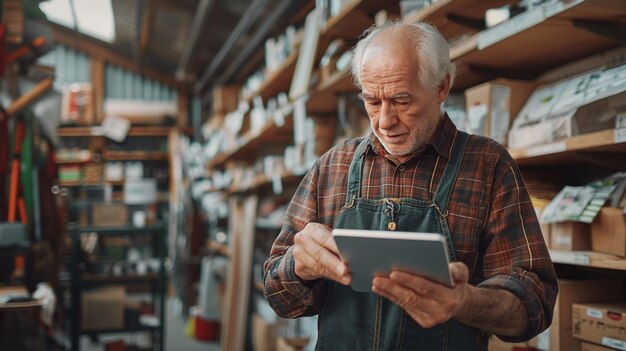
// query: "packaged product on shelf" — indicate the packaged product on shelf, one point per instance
point(600, 323)
point(77, 104)
point(492, 106)
point(103, 308)
point(107, 215)
point(608, 232)
point(153, 112)
point(586, 103)
point(456, 109)
point(570, 292)
point(570, 236)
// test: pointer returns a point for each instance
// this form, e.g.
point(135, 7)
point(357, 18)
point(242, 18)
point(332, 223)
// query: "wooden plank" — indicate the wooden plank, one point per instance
point(183, 108)
point(146, 25)
point(134, 131)
point(588, 259)
point(270, 134)
point(97, 86)
point(541, 51)
point(347, 24)
point(439, 13)
point(278, 80)
point(601, 141)
point(135, 155)
point(85, 44)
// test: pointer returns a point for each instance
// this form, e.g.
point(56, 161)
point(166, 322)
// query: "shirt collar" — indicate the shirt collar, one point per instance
point(441, 142)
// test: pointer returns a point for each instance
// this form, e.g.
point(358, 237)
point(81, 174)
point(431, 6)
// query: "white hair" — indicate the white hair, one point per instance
point(432, 51)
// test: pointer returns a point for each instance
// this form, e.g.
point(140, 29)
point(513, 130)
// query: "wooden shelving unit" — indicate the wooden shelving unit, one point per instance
point(271, 135)
point(592, 146)
point(135, 156)
point(278, 80)
point(563, 35)
point(92, 131)
point(588, 259)
point(262, 182)
point(454, 18)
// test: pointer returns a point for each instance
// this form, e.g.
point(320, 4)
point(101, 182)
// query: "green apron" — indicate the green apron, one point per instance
point(351, 320)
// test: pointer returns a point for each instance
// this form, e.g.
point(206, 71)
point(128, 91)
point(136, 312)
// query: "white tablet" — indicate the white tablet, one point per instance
point(370, 253)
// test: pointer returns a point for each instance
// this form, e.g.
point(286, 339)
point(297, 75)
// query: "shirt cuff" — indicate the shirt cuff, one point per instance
point(301, 289)
point(530, 301)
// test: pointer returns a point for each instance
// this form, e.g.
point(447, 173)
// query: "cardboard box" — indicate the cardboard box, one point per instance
point(600, 323)
point(263, 334)
point(570, 236)
point(608, 232)
point(109, 215)
point(225, 98)
point(570, 292)
point(103, 308)
point(492, 106)
point(77, 106)
point(585, 346)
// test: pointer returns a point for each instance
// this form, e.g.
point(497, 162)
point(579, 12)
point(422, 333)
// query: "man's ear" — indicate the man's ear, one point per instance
point(444, 89)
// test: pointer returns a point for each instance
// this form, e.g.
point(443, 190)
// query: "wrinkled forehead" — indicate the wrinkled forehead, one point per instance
point(384, 57)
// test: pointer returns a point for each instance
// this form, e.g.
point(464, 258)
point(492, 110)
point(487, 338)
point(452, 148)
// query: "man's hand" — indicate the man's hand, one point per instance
point(427, 302)
point(316, 255)
point(496, 311)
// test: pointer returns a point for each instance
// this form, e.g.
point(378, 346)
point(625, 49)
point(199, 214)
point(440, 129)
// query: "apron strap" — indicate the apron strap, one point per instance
point(356, 168)
point(444, 189)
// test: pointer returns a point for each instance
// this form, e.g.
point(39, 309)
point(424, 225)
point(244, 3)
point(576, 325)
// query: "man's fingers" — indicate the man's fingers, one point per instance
point(323, 235)
point(322, 262)
point(460, 272)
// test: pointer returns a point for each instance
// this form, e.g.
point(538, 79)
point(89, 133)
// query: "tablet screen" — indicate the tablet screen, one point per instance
point(369, 253)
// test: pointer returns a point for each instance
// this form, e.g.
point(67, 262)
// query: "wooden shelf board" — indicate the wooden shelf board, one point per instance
point(262, 182)
point(324, 98)
point(270, 134)
point(349, 23)
point(135, 155)
point(134, 131)
point(72, 162)
point(102, 278)
point(596, 142)
point(551, 43)
point(279, 80)
point(438, 14)
point(78, 183)
point(588, 259)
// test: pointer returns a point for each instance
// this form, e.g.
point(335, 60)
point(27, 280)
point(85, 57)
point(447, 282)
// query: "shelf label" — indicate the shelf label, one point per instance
point(569, 257)
point(620, 135)
point(546, 149)
point(614, 343)
point(594, 313)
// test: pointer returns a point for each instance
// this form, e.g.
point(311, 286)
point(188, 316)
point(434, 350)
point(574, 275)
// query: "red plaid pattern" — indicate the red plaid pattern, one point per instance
point(491, 218)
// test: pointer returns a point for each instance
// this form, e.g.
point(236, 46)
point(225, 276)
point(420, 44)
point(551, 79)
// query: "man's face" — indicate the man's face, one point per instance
point(403, 114)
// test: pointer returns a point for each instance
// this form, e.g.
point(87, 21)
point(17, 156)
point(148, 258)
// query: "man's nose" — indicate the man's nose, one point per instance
point(388, 116)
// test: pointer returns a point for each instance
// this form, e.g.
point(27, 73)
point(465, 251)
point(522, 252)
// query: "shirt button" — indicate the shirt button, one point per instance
point(401, 168)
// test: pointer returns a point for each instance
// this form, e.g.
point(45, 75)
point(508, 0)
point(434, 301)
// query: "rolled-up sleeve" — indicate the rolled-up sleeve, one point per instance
point(516, 257)
point(286, 294)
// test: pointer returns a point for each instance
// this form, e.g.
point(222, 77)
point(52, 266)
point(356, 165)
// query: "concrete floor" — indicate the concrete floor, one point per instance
point(175, 338)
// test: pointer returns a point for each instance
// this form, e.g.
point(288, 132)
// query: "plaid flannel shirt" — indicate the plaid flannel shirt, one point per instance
point(492, 221)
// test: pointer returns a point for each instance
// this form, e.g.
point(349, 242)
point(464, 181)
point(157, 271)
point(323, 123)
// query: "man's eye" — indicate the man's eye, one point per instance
point(401, 102)
point(373, 102)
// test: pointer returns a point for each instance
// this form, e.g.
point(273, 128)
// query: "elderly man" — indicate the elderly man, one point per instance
point(436, 179)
